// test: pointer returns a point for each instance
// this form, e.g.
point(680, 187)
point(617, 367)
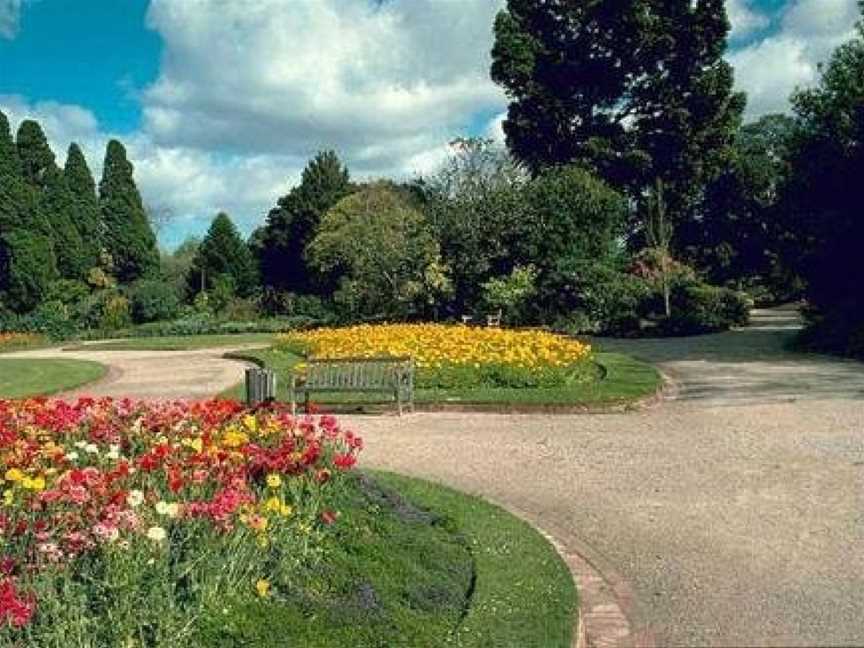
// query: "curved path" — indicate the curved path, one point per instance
point(735, 512)
point(732, 513)
point(153, 375)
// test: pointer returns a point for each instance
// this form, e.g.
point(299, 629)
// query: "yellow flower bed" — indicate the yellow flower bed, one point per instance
point(438, 345)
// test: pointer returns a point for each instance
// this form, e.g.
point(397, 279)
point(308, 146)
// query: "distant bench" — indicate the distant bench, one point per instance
point(390, 375)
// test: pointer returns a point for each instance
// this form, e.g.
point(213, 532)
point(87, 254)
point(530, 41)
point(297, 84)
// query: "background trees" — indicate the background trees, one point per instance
point(127, 235)
point(222, 256)
point(291, 225)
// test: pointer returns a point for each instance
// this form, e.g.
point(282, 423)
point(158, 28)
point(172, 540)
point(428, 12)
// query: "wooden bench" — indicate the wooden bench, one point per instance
point(391, 375)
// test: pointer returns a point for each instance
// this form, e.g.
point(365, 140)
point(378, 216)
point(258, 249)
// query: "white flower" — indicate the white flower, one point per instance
point(71, 456)
point(156, 533)
point(135, 498)
point(92, 448)
point(81, 444)
point(171, 509)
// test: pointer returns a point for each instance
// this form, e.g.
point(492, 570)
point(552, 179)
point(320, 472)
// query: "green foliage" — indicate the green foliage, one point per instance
point(115, 312)
point(127, 235)
point(706, 309)
point(292, 224)
point(639, 90)
point(591, 297)
point(67, 291)
point(380, 247)
point(152, 300)
point(52, 319)
point(223, 253)
point(511, 293)
point(222, 292)
point(26, 268)
point(85, 204)
point(58, 205)
point(176, 266)
point(824, 195)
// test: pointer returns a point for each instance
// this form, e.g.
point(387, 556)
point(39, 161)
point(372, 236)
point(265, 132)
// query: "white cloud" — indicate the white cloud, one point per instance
point(10, 18)
point(745, 20)
point(771, 69)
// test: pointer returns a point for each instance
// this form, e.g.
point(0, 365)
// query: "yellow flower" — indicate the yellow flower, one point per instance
point(272, 505)
point(234, 438)
point(250, 422)
point(8, 497)
point(196, 444)
point(171, 509)
point(286, 510)
point(35, 483)
point(14, 475)
point(262, 586)
point(274, 480)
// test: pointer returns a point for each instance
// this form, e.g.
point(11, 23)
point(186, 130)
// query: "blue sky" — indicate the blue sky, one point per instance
point(220, 103)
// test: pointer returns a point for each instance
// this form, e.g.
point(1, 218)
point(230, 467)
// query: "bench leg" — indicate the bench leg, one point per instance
point(399, 401)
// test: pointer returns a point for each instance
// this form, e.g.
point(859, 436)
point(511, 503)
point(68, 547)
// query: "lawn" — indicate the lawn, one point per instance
point(30, 377)
point(178, 342)
point(621, 380)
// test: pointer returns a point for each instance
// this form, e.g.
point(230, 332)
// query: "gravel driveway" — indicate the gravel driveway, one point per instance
point(735, 512)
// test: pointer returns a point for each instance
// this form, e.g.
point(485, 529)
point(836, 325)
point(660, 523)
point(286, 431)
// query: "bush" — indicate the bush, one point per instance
point(152, 300)
point(52, 319)
point(590, 297)
point(512, 293)
point(706, 309)
point(115, 313)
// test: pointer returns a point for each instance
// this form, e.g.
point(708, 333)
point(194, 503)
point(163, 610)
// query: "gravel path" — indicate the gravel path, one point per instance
point(153, 375)
point(733, 511)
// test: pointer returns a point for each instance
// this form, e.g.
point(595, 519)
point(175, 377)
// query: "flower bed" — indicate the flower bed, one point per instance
point(149, 514)
point(454, 356)
point(10, 341)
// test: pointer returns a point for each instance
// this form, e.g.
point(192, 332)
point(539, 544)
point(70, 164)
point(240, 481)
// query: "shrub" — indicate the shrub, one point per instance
point(591, 297)
point(52, 319)
point(115, 312)
point(512, 293)
point(706, 309)
point(152, 300)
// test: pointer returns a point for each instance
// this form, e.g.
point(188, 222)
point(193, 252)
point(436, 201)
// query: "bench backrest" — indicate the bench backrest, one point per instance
point(359, 373)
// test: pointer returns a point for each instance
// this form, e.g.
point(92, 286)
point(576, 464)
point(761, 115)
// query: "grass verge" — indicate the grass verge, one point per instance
point(623, 380)
point(177, 342)
point(20, 378)
point(415, 564)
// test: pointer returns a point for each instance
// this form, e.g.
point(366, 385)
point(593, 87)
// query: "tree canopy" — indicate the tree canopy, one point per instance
point(223, 253)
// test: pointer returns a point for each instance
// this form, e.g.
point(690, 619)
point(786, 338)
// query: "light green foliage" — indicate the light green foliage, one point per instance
point(512, 292)
point(380, 248)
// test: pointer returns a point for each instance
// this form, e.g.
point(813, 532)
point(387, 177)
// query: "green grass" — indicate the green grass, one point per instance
point(20, 378)
point(623, 380)
point(178, 342)
point(414, 564)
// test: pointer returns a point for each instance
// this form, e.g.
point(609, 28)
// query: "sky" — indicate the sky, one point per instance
point(220, 103)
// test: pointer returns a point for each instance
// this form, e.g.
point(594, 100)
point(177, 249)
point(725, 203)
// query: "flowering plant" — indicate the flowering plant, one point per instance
point(10, 341)
point(125, 495)
point(456, 355)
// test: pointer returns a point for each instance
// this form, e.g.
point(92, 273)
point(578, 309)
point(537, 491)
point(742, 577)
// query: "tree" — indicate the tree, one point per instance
point(27, 264)
point(636, 89)
point(739, 233)
point(824, 194)
point(86, 204)
point(380, 247)
point(473, 206)
point(223, 253)
point(292, 224)
point(176, 266)
point(127, 235)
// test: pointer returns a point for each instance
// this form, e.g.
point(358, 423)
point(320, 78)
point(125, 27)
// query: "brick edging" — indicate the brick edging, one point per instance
point(603, 619)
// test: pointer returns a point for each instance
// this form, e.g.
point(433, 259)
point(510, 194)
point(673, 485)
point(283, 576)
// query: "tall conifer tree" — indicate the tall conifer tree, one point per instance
point(223, 252)
point(86, 203)
point(128, 237)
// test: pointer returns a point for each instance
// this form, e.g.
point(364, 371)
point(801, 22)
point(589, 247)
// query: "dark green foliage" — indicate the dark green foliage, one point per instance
point(292, 224)
point(35, 154)
point(58, 205)
point(824, 196)
point(127, 235)
point(26, 268)
point(584, 296)
point(637, 89)
point(706, 309)
point(153, 300)
point(87, 218)
point(223, 253)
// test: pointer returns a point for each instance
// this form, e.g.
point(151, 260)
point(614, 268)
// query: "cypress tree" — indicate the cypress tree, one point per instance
point(128, 237)
point(54, 206)
point(27, 263)
point(291, 225)
point(86, 204)
point(223, 252)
